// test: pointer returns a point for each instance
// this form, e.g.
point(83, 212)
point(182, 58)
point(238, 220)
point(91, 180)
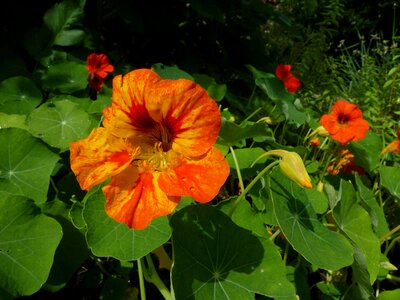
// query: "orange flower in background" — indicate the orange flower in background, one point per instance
point(99, 67)
point(393, 147)
point(156, 145)
point(315, 142)
point(283, 72)
point(344, 163)
point(345, 123)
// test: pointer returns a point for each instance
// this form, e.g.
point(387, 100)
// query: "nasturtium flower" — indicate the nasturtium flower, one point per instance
point(345, 123)
point(291, 83)
point(393, 147)
point(344, 163)
point(156, 144)
point(315, 142)
point(99, 67)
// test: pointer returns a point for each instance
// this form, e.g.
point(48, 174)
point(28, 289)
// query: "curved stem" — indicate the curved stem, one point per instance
point(151, 275)
point(251, 184)
point(239, 174)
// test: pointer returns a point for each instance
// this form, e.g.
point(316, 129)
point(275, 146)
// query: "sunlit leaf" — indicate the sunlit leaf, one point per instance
point(367, 151)
point(25, 164)
point(299, 223)
point(390, 178)
point(59, 123)
point(216, 259)
point(389, 295)
point(356, 223)
point(19, 95)
point(107, 237)
point(12, 121)
point(28, 241)
point(214, 90)
point(375, 211)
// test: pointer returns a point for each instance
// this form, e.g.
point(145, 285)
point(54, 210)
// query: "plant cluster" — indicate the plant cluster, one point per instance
point(231, 170)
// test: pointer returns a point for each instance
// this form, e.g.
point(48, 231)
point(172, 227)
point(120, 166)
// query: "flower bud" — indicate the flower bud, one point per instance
point(293, 167)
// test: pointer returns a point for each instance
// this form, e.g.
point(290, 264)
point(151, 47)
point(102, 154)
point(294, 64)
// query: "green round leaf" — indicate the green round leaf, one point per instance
point(59, 123)
point(389, 295)
point(66, 77)
point(19, 95)
point(107, 237)
point(356, 224)
point(216, 259)
point(390, 177)
point(10, 121)
point(25, 164)
point(299, 223)
point(28, 241)
point(173, 72)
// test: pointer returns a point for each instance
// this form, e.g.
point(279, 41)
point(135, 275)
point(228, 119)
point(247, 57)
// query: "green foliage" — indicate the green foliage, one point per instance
point(263, 236)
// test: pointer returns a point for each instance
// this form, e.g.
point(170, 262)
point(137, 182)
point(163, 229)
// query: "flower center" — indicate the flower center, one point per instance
point(343, 119)
point(163, 136)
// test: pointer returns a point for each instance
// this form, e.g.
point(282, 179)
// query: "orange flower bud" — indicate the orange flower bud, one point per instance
point(293, 167)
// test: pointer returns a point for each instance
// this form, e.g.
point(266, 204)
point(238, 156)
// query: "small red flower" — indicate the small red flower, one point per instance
point(344, 163)
point(393, 147)
point(99, 67)
point(283, 72)
point(345, 123)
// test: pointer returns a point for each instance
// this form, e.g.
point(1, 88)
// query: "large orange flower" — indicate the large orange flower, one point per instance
point(393, 147)
point(156, 145)
point(345, 123)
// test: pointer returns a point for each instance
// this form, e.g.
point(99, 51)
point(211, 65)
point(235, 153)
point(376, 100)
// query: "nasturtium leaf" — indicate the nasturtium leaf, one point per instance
point(66, 77)
point(170, 72)
point(28, 241)
point(356, 224)
point(389, 295)
point(71, 251)
point(299, 223)
point(76, 215)
point(367, 151)
point(214, 90)
point(19, 95)
point(230, 133)
point(375, 211)
point(12, 121)
point(245, 158)
point(64, 21)
point(245, 216)
point(25, 164)
point(318, 200)
point(107, 237)
point(216, 259)
point(293, 112)
point(390, 178)
point(59, 123)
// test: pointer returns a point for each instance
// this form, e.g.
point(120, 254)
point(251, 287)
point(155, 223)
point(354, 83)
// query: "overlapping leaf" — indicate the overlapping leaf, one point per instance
point(216, 259)
point(107, 237)
point(59, 123)
point(356, 223)
point(19, 95)
point(390, 177)
point(28, 241)
point(25, 164)
point(299, 223)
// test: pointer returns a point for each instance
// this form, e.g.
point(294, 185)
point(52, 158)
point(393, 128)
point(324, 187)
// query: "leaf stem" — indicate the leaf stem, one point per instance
point(389, 234)
point(251, 184)
point(239, 174)
point(141, 280)
point(151, 275)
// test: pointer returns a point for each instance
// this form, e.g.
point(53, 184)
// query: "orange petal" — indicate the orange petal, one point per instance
point(128, 113)
point(136, 199)
point(188, 112)
point(99, 156)
point(201, 179)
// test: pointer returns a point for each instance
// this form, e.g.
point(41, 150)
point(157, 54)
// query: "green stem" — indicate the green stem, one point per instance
point(391, 245)
point(394, 278)
point(141, 280)
point(251, 184)
point(389, 234)
point(251, 115)
point(239, 174)
point(276, 233)
point(151, 275)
